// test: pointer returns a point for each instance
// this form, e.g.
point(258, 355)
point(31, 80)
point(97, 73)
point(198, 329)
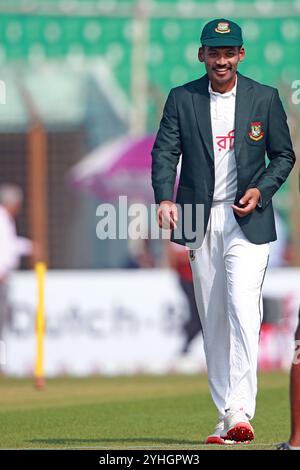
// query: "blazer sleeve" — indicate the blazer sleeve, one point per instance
point(166, 152)
point(279, 150)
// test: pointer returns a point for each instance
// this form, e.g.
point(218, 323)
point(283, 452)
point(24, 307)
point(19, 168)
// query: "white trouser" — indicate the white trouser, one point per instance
point(228, 273)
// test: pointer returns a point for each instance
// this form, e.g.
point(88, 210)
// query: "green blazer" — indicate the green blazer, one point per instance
point(185, 129)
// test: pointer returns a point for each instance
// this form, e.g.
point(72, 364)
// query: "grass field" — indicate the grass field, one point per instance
point(143, 412)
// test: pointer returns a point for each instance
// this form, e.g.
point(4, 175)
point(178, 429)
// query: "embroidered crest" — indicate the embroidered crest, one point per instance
point(222, 28)
point(256, 131)
point(192, 255)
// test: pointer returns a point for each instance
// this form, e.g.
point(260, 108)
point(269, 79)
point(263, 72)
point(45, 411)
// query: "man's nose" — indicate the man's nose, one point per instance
point(221, 61)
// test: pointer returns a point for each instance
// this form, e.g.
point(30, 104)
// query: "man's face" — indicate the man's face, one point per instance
point(221, 62)
point(14, 209)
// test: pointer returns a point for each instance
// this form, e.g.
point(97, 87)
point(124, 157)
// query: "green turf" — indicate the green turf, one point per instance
point(143, 412)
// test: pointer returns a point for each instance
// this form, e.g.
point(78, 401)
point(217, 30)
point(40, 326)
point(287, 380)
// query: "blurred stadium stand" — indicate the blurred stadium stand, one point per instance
point(95, 69)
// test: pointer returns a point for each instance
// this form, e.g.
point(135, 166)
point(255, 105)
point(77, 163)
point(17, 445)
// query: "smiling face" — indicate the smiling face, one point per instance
point(221, 65)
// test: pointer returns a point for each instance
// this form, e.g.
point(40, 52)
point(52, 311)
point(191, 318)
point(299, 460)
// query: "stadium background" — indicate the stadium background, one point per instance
point(79, 74)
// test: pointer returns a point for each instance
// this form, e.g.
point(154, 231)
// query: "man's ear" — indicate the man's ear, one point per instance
point(241, 54)
point(201, 54)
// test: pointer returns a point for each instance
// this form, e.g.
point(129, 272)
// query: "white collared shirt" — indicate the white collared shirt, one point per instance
point(222, 109)
point(12, 247)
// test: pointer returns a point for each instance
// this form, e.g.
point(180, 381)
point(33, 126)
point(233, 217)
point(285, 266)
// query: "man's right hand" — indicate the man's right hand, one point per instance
point(167, 215)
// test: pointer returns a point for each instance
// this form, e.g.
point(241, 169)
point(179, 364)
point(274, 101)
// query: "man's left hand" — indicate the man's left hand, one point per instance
point(248, 201)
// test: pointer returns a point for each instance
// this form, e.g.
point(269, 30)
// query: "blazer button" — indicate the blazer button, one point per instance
point(210, 193)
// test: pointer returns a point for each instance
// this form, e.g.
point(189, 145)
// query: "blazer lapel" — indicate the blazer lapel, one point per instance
point(201, 102)
point(243, 107)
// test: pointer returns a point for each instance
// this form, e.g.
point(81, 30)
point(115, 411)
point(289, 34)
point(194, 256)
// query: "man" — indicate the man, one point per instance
point(12, 247)
point(223, 124)
point(294, 441)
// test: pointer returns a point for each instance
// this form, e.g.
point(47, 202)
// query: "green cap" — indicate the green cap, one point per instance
point(221, 33)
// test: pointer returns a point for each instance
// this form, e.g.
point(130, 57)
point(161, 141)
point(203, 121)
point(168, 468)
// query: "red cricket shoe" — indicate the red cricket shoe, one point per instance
point(216, 438)
point(237, 427)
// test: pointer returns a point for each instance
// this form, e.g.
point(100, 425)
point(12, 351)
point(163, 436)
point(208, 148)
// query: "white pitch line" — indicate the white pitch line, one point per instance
point(197, 446)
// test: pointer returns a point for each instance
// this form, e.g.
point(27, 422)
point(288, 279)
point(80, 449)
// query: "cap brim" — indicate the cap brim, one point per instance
point(222, 42)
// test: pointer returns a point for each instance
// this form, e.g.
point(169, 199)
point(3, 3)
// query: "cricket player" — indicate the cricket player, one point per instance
point(223, 124)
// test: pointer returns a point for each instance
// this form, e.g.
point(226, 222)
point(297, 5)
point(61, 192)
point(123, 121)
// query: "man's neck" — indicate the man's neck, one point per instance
point(223, 88)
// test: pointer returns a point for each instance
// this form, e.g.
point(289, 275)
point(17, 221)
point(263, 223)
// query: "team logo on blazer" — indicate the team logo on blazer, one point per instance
point(256, 132)
point(222, 28)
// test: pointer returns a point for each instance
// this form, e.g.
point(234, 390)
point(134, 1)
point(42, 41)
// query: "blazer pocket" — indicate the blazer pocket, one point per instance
point(185, 188)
